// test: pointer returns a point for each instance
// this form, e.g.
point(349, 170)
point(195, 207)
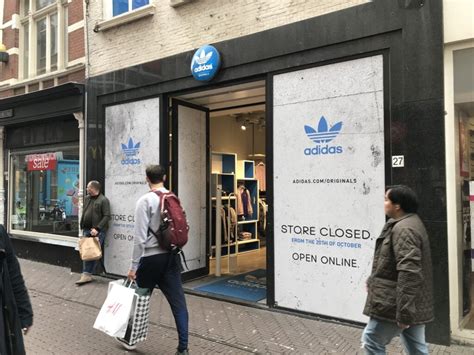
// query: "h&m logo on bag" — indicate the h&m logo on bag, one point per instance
point(130, 151)
point(114, 308)
point(322, 136)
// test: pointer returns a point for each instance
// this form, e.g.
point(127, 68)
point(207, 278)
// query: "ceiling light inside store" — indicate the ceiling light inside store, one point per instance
point(243, 127)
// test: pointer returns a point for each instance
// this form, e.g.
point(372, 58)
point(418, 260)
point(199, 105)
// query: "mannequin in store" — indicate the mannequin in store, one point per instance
point(244, 202)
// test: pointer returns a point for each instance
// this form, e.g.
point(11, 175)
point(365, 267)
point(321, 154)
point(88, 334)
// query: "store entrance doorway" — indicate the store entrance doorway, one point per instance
point(220, 161)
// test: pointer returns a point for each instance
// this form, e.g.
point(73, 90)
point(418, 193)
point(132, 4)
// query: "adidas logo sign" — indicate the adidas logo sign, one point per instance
point(130, 150)
point(203, 67)
point(322, 135)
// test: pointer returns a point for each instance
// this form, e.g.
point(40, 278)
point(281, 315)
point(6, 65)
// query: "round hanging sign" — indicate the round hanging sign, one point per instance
point(205, 64)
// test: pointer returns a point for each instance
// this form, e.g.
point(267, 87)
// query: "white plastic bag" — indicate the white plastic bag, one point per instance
point(115, 312)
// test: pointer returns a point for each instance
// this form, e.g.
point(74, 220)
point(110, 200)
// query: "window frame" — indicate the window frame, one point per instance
point(28, 66)
point(108, 9)
point(49, 238)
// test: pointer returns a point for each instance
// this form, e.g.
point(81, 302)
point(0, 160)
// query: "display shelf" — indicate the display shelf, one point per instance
point(247, 241)
point(227, 182)
point(244, 246)
point(245, 169)
point(222, 163)
point(247, 221)
point(224, 198)
point(227, 171)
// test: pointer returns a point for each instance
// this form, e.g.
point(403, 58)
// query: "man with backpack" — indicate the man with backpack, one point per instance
point(155, 263)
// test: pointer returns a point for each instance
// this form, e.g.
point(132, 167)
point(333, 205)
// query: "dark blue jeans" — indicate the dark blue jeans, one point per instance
point(88, 267)
point(164, 270)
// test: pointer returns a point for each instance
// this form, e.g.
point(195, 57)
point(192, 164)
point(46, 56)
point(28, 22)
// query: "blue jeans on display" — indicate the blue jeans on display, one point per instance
point(378, 333)
point(164, 270)
point(88, 267)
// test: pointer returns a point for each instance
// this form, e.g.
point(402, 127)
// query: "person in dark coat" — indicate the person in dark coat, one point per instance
point(94, 224)
point(400, 287)
point(16, 310)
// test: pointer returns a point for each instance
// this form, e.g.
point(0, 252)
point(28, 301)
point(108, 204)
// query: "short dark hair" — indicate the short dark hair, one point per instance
point(95, 185)
point(155, 173)
point(404, 196)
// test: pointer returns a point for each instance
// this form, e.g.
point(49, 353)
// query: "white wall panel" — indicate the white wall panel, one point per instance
point(319, 195)
point(125, 174)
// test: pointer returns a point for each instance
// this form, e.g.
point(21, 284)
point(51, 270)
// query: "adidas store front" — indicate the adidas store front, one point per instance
point(281, 156)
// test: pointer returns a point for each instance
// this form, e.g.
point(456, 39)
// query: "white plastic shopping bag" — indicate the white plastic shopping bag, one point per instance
point(115, 312)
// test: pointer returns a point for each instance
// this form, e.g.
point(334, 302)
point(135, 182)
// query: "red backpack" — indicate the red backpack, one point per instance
point(173, 230)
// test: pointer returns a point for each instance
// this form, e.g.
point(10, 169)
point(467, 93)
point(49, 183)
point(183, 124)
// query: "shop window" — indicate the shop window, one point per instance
point(42, 37)
point(120, 7)
point(464, 112)
point(44, 191)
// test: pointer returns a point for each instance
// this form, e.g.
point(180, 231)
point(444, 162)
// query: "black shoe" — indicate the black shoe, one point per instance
point(184, 352)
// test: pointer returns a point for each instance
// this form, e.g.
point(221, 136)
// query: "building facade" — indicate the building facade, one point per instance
point(309, 107)
point(42, 78)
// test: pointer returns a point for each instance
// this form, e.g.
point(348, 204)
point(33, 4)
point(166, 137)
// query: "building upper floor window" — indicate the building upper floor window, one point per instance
point(42, 37)
point(119, 7)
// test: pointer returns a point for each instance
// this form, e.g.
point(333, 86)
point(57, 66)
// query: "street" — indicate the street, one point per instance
point(64, 315)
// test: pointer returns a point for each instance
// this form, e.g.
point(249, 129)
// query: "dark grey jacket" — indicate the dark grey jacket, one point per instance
point(99, 207)
point(16, 306)
point(400, 288)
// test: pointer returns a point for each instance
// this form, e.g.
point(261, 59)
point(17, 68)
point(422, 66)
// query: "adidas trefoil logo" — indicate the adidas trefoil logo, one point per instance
point(130, 150)
point(323, 135)
point(201, 59)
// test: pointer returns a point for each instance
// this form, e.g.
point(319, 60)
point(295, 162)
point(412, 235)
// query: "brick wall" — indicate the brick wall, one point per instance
point(75, 11)
point(9, 70)
point(76, 44)
point(10, 7)
point(10, 39)
point(75, 51)
point(174, 30)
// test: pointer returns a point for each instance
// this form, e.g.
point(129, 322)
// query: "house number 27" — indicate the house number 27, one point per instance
point(398, 161)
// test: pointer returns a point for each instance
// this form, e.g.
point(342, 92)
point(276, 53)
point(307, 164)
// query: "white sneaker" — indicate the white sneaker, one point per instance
point(126, 345)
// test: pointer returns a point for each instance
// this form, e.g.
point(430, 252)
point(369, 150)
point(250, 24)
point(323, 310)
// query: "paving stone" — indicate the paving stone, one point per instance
point(64, 314)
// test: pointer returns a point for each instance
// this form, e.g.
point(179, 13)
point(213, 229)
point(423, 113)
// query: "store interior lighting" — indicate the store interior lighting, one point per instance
point(257, 119)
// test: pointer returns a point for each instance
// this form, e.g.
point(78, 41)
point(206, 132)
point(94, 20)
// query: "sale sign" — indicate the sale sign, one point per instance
point(45, 161)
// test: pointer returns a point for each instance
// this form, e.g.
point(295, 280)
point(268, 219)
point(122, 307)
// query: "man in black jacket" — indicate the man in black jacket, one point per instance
point(94, 223)
point(17, 314)
point(400, 287)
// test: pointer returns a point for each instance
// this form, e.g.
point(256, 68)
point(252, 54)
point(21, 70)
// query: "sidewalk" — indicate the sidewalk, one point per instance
point(65, 313)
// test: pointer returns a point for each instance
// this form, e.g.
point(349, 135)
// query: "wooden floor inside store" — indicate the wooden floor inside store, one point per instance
point(241, 263)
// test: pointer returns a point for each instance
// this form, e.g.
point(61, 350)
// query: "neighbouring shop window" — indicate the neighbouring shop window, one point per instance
point(43, 38)
point(123, 6)
point(464, 112)
point(44, 191)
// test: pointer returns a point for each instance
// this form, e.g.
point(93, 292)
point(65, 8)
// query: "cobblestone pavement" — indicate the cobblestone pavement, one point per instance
point(65, 313)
